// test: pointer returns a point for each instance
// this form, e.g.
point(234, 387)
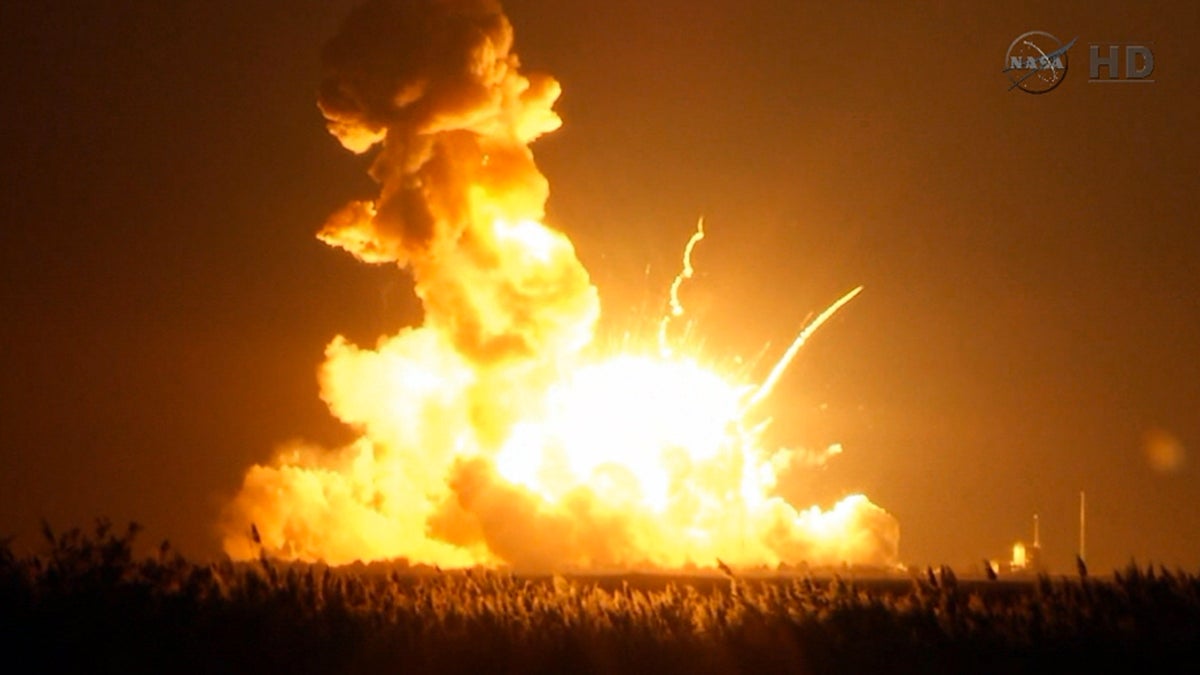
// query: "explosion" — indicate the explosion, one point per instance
point(495, 433)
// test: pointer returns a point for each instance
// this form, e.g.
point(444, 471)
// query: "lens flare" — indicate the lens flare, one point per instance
point(496, 432)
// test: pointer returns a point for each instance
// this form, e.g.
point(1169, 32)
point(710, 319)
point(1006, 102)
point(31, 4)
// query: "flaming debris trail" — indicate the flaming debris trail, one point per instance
point(494, 433)
point(764, 389)
point(664, 346)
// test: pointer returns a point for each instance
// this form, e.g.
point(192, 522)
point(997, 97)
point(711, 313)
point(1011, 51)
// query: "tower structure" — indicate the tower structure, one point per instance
point(1034, 554)
point(1082, 526)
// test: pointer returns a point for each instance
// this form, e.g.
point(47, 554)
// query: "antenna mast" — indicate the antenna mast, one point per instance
point(1082, 526)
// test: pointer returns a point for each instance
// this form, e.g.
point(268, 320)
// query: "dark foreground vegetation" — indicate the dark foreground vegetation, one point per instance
point(87, 605)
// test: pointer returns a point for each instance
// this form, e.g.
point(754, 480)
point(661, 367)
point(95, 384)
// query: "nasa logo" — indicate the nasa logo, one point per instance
point(1036, 62)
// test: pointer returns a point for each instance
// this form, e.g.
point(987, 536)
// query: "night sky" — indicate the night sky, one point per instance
point(1030, 325)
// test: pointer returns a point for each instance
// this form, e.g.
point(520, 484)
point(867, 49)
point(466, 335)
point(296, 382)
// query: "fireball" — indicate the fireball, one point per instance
point(497, 432)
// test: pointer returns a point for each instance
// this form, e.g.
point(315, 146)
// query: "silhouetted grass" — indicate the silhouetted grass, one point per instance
point(87, 605)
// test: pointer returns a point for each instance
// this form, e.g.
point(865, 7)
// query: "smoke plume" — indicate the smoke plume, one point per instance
point(487, 434)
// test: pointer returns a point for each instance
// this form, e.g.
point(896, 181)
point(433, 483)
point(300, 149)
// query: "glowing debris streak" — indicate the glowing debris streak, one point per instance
point(768, 385)
point(676, 307)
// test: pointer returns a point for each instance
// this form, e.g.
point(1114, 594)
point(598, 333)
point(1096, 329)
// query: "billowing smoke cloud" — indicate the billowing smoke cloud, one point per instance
point(486, 436)
point(435, 85)
point(434, 89)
